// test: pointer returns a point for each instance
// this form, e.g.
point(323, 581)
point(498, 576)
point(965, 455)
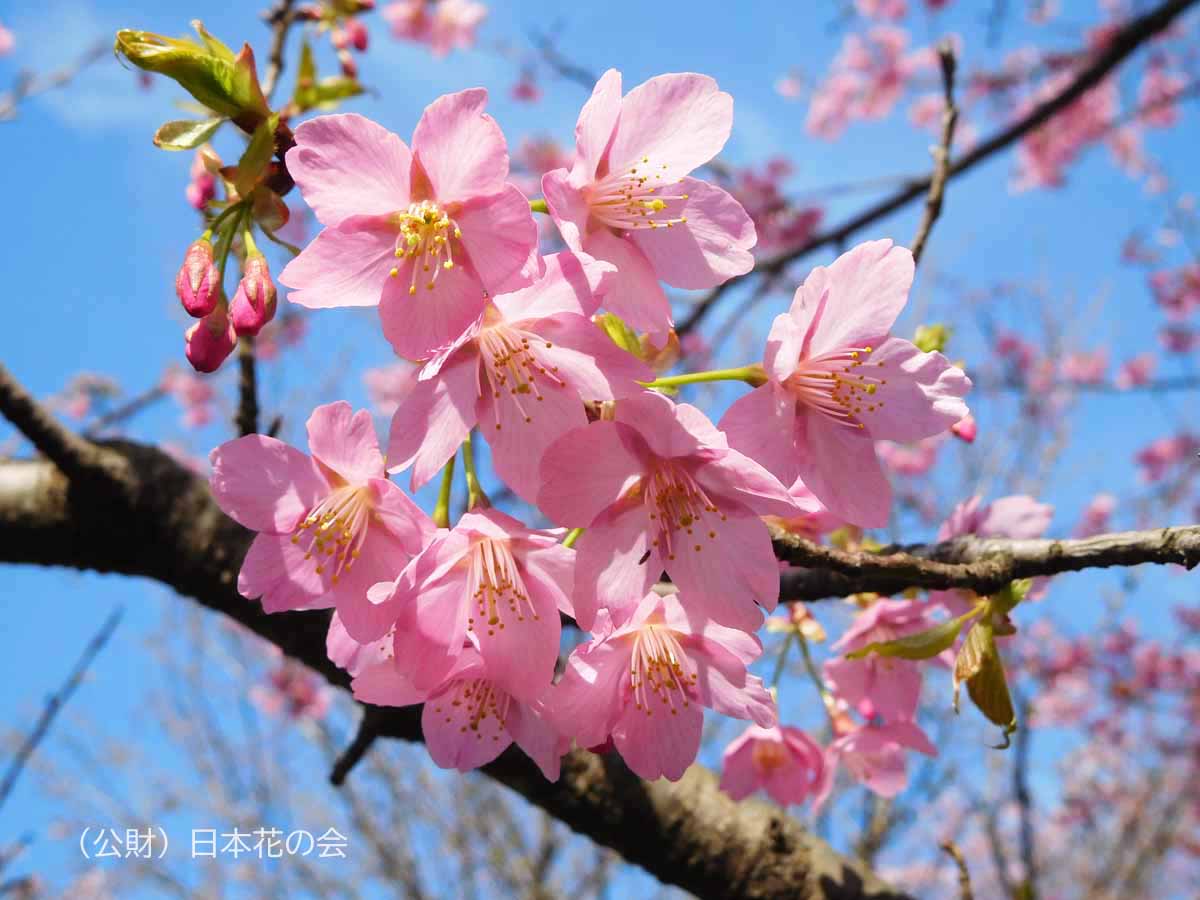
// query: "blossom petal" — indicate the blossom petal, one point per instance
point(347, 165)
point(275, 570)
point(346, 265)
point(922, 396)
point(456, 738)
point(676, 121)
point(460, 147)
point(402, 517)
point(588, 360)
point(265, 484)
point(567, 206)
point(345, 441)
point(734, 477)
point(537, 737)
point(840, 467)
point(612, 566)
point(575, 495)
point(661, 741)
point(568, 283)
point(762, 425)
point(433, 418)
point(417, 324)
point(710, 247)
point(499, 235)
point(634, 294)
point(596, 124)
point(584, 704)
point(384, 685)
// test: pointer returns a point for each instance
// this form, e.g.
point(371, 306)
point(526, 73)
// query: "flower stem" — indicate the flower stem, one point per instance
point(475, 494)
point(441, 512)
point(817, 680)
point(572, 537)
point(539, 206)
point(752, 375)
point(782, 659)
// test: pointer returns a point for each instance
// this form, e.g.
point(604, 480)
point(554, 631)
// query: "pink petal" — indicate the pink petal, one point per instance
point(584, 704)
point(726, 687)
point(669, 429)
point(634, 294)
point(784, 344)
point(499, 234)
point(367, 616)
point(519, 428)
point(552, 569)
point(574, 494)
point(588, 359)
point(349, 654)
point(739, 777)
point(430, 628)
point(402, 517)
point(712, 246)
point(679, 121)
point(840, 467)
point(264, 484)
point(346, 265)
point(656, 743)
point(612, 568)
point(418, 324)
point(455, 739)
point(1018, 516)
point(384, 685)
point(433, 419)
point(922, 397)
point(345, 441)
point(734, 478)
point(346, 165)
point(539, 740)
point(275, 570)
point(868, 287)
point(460, 147)
point(597, 121)
point(730, 573)
point(568, 283)
point(762, 425)
point(521, 649)
point(567, 207)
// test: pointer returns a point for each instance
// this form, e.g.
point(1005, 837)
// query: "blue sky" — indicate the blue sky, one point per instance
point(98, 225)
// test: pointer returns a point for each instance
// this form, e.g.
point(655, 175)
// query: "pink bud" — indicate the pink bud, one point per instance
point(349, 66)
point(339, 38)
point(357, 32)
point(210, 340)
point(965, 428)
point(253, 305)
point(197, 281)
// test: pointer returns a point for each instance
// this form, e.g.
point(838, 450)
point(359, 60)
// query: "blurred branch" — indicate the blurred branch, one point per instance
point(280, 17)
point(29, 84)
point(57, 701)
point(247, 414)
point(964, 874)
point(941, 153)
point(1122, 44)
point(126, 410)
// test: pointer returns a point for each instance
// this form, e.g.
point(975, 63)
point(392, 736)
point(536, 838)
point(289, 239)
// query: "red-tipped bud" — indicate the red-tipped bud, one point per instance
point(198, 282)
point(356, 31)
point(349, 66)
point(210, 340)
point(253, 305)
point(965, 428)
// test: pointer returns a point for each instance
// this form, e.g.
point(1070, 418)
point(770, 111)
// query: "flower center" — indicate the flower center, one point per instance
point(426, 235)
point(336, 528)
point(769, 757)
point(842, 385)
point(660, 670)
point(476, 701)
point(496, 587)
point(678, 506)
point(629, 198)
point(511, 364)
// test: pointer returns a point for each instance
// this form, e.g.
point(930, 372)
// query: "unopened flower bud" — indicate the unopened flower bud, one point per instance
point(356, 31)
point(349, 66)
point(198, 282)
point(965, 428)
point(253, 305)
point(210, 341)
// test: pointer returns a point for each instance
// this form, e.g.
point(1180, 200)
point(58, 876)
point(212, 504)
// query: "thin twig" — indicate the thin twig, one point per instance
point(30, 85)
point(247, 414)
point(57, 701)
point(280, 17)
point(964, 874)
point(368, 731)
point(941, 153)
point(1123, 43)
point(126, 410)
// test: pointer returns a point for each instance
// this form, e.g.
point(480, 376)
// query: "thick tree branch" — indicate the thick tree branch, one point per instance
point(981, 565)
point(1123, 43)
point(170, 530)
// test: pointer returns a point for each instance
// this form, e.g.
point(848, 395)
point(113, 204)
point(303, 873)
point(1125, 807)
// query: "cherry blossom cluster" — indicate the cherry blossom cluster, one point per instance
point(668, 564)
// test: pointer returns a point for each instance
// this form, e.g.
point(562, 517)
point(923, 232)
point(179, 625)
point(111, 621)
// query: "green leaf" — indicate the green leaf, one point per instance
point(932, 337)
point(214, 45)
point(980, 666)
point(256, 156)
point(922, 645)
point(185, 134)
point(329, 91)
point(1003, 602)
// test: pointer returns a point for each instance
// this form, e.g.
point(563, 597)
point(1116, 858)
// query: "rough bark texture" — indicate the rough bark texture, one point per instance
point(166, 526)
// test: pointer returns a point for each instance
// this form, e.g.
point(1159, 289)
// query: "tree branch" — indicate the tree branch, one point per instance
point(981, 565)
point(689, 834)
point(1123, 43)
point(941, 153)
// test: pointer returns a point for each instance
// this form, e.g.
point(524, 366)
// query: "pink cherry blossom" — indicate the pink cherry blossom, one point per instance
point(7, 41)
point(1159, 458)
point(494, 582)
point(882, 9)
point(196, 395)
point(883, 686)
point(293, 690)
point(838, 381)
point(646, 682)
point(443, 25)
point(874, 755)
point(388, 385)
point(778, 222)
point(628, 200)
point(469, 718)
point(1157, 95)
point(783, 761)
point(353, 656)
point(329, 525)
point(658, 487)
point(1084, 367)
point(1136, 371)
point(1044, 154)
point(910, 460)
point(521, 372)
point(202, 188)
point(426, 234)
point(1096, 515)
